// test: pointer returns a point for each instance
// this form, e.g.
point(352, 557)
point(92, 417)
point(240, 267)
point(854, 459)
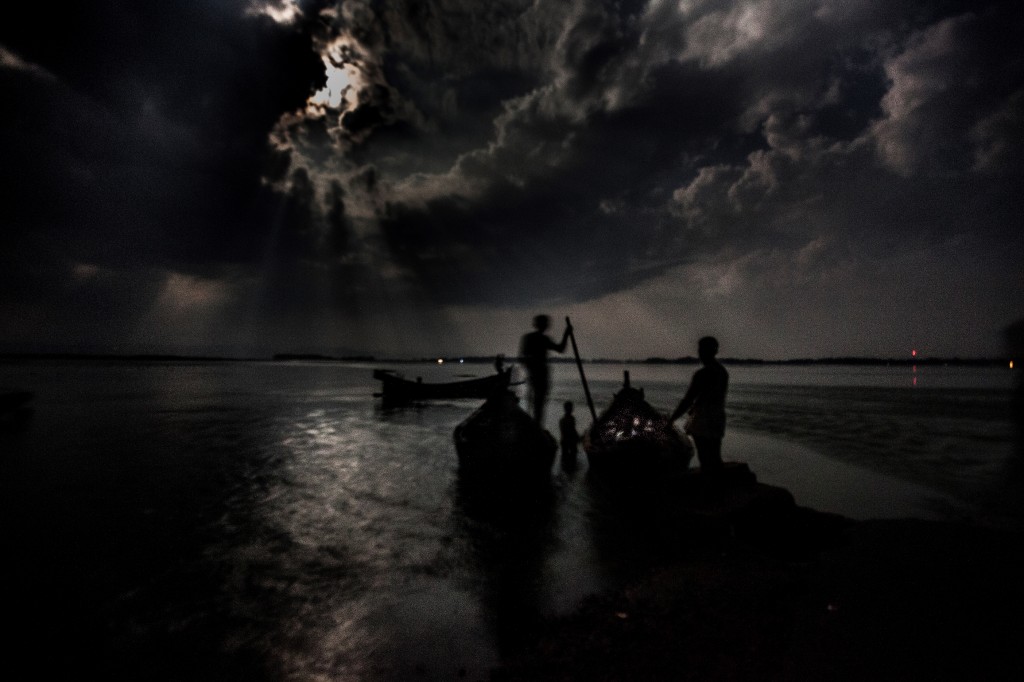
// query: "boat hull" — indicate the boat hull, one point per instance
point(500, 442)
point(632, 441)
point(398, 390)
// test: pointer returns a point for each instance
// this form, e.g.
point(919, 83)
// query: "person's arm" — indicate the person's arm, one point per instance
point(687, 401)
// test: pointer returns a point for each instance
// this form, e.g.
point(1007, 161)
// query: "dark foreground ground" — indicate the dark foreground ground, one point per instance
point(839, 600)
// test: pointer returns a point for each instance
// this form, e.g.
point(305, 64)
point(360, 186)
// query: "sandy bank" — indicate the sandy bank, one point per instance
point(839, 599)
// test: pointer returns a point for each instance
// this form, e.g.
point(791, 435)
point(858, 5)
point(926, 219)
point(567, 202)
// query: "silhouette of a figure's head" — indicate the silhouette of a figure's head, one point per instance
point(541, 323)
point(568, 406)
point(707, 348)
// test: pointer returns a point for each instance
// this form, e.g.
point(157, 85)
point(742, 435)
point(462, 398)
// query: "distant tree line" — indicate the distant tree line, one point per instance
point(489, 359)
point(690, 360)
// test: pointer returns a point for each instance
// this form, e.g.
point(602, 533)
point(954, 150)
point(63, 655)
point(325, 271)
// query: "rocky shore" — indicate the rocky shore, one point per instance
point(761, 589)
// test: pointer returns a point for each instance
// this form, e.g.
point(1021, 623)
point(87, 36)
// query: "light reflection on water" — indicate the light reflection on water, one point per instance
point(273, 515)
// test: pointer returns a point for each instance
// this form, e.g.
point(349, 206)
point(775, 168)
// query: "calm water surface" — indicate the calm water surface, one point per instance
point(260, 520)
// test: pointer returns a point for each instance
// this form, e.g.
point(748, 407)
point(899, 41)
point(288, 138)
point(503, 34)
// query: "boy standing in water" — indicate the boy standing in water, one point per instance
point(570, 437)
point(534, 350)
point(705, 401)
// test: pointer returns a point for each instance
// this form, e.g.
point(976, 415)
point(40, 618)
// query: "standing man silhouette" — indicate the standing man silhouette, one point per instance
point(534, 351)
point(705, 401)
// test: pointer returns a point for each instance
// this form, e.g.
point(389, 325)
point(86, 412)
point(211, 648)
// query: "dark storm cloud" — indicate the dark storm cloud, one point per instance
point(136, 139)
point(145, 124)
point(672, 136)
point(304, 159)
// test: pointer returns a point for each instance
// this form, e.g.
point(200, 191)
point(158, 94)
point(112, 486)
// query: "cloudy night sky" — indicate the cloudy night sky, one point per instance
point(799, 178)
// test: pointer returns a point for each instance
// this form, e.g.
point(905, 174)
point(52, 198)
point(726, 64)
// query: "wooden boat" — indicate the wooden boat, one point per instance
point(499, 441)
point(399, 390)
point(633, 441)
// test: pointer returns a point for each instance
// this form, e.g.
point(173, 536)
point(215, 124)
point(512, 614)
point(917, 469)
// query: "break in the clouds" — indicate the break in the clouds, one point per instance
point(798, 177)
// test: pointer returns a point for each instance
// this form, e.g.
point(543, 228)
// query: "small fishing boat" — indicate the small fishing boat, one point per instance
point(397, 390)
point(499, 441)
point(632, 440)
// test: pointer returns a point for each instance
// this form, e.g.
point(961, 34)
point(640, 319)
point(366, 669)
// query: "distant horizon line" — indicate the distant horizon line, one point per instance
point(490, 359)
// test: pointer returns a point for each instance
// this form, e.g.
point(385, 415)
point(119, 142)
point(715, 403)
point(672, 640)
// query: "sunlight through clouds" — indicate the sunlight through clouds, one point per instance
point(282, 11)
point(10, 60)
point(340, 94)
point(183, 294)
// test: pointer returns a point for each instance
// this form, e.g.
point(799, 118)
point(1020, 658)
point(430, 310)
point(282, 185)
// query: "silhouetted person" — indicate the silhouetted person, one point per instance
point(534, 351)
point(570, 438)
point(705, 401)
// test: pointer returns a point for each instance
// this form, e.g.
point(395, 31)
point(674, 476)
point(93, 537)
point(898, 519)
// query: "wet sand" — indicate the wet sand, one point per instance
point(829, 485)
point(876, 600)
point(913, 588)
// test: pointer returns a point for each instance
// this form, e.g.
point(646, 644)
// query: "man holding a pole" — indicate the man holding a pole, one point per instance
point(534, 352)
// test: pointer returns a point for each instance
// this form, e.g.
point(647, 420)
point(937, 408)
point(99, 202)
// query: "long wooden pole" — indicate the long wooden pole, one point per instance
point(579, 364)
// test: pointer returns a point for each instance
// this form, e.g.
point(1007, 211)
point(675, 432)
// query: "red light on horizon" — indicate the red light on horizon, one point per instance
point(913, 353)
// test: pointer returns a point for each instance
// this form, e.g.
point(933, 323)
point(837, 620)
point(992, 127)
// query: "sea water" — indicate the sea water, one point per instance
point(270, 520)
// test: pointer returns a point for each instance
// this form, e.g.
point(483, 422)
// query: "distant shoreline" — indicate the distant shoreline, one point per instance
point(688, 360)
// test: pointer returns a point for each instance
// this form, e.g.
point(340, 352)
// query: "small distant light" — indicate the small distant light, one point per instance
point(440, 361)
point(913, 353)
point(461, 360)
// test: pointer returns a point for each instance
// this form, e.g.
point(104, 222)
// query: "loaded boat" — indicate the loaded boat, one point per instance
point(632, 440)
point(639, 459)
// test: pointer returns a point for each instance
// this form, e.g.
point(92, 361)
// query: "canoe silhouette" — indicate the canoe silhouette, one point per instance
point(396, 389)
point(500, 441)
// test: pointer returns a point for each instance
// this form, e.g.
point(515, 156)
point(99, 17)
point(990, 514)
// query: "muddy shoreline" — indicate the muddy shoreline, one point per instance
point(829, 599)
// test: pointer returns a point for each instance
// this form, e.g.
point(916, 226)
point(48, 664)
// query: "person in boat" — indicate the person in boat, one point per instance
point(534, 351)
point(705, 403)
point(570, 437)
